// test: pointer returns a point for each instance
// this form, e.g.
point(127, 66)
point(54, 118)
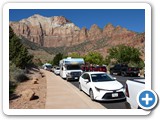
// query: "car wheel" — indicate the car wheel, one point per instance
point(123, 74)
point(80, 88)
point(67, 79)
point(91, 95)
point(127, 105)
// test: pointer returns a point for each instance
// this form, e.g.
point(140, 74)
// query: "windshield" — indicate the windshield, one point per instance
point(48, 66)
point(58, 68)
point(73, 67)
point(101, 77)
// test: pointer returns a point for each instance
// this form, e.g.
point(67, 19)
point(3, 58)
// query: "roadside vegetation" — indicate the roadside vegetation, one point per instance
point(118, 54)
point(19, 60)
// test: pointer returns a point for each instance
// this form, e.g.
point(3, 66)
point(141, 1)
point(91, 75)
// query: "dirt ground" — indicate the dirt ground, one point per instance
point(39, 88)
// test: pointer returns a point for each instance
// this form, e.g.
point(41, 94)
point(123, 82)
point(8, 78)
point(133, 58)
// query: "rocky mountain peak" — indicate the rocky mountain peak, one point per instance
point(109, 27)
point(94, 27)
point(60, 20)
point(37, 16)
point(118, 28)
point(58, 31)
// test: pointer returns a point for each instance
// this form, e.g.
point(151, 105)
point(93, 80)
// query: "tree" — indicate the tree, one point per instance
point(125, 54)
point(18, 54)
point(57, 58)
point(74, 55)
point(94, 58)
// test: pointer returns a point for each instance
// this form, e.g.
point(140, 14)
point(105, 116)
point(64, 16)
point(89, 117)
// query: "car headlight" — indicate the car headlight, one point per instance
point(123, 89)
point(98, 89)
point(68, 74)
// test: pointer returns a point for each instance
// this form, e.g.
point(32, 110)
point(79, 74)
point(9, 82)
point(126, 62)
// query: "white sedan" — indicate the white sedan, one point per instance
point(57, 70)
point(101, 86)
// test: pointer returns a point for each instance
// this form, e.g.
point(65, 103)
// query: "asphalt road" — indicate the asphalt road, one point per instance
point(122, 104)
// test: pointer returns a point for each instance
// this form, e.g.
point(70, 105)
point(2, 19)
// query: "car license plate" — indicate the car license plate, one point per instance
point(114, 94)
point(76, 78)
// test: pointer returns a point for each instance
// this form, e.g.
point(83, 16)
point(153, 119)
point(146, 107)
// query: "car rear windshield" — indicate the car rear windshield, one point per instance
point(101, 78)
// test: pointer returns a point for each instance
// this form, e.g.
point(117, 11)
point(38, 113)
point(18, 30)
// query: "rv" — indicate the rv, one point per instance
point(70, 68)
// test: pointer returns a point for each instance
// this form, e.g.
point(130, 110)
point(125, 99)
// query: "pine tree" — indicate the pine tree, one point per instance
point(18, 54)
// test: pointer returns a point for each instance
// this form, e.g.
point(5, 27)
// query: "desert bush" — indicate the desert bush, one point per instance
point(16, 75)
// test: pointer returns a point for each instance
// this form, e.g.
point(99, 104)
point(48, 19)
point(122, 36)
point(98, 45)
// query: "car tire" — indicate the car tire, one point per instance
point(111, 72)
point(91, 95)
point(127, 105)
point(123, 74)
point(67, 79)
point(80, 88)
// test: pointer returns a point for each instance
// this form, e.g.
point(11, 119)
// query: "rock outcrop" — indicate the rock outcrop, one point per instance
point(27, 94)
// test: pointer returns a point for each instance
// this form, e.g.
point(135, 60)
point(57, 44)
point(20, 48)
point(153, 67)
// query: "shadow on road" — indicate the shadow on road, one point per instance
point(116, 101)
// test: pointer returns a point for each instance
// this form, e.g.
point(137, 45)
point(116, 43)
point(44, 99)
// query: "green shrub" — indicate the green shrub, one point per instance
point(16, 75)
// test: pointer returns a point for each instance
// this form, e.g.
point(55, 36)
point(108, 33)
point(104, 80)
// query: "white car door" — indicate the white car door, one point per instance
point(83, 82)
point(87, 83)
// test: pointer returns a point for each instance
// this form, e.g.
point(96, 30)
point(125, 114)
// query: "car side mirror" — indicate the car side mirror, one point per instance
point(86, 80)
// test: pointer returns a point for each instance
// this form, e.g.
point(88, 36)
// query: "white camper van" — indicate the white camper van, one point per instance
point(70, 68)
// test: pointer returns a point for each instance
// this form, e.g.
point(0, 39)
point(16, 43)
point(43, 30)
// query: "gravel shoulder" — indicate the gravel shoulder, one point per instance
point(37, 93)
point(37, 86)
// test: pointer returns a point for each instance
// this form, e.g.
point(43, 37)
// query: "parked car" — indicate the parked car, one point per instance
point(100, 68)
point(47, 66)
point(133, 87)
point(124, 70)
point(101, 86)
point(130, 71)
point(87, 69)
point(57, 70)
point(117, 68)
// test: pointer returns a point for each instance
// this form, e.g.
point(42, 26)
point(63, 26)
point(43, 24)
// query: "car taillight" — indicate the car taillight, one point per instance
point(127, 92)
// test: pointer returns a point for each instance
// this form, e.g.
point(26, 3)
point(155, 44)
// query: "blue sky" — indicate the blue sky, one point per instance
point(132, 19)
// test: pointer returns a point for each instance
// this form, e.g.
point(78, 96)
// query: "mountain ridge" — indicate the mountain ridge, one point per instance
point(58, 31)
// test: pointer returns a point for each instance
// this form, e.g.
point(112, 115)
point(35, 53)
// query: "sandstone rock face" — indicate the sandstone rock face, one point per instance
point(47, 31)
point(95, 33)
point(57, 31)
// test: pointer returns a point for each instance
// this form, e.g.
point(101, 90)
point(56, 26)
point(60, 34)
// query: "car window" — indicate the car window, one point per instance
point(117, 66)
point(101, 77)
point(57, 68)
point(84, 76)
point(73, 67)
point(88, 77)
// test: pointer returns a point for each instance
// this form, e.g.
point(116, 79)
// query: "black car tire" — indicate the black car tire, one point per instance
point(111, 72)
point(123, 74)
point(80, 88)
point(91, 95)
point(67, 79)
point(127, 105)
